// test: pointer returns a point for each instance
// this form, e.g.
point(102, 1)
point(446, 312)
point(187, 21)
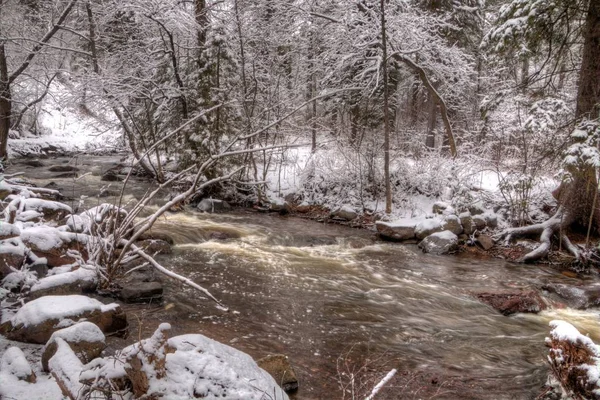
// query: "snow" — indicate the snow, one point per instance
point(56, 307)
point(66, 367)
point(46, 238)
point(80, 332)
point(41, 204)
point(445, 235)
point(564, 331)
point(82, 274)
point(7, 229)
point(13, 362)
point(12, 246)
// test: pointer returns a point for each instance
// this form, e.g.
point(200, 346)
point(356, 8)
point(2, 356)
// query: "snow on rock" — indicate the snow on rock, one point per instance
point(14, 363)
point(83, 279)
point(226, 372)
point(452, 223)
point(440, 243)
point(345, 212)
point(399, 230)
point(66, 367)
point(52, 210)
point(427, 227)
point(8, 231)
point(55, 244)
point(37, 320)
point(96, 218)
point(12, 256)
point(85, 339)
point(574, 360)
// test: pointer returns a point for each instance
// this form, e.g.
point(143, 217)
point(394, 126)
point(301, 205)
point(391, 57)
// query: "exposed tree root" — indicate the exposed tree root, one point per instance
point(545, 230)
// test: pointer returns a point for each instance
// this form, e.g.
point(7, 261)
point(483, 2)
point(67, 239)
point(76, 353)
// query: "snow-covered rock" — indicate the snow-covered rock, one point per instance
point(8, 231)
point(66, 367)
point(491, 219)
point(466, 220)
point(345, 212)
point(477, 208)
point(37, 320)
point(401, 230)
point(439, 243)
point(452, 223)
point(213, 206)
point(12, 255)
point(574, 360)
point(83, 279)
point(279, 205)
point(14, 363)
point(54, 244)
point(479, 222)
point(51, 210)
point(85, 339)
point(427, 227)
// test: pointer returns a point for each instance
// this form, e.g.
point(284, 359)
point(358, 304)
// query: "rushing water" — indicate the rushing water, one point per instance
point(334, 299)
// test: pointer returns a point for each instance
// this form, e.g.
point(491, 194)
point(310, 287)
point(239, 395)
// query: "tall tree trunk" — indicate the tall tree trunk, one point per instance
point(5, 103)
point(588, 95)
point(386, 116)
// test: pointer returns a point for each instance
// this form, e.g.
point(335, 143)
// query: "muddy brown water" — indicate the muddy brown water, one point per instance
point(346, 307)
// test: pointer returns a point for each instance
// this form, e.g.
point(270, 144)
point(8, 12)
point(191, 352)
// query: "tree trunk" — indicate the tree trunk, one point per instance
point(5, 103)
point(386, 116)
point(588, 95)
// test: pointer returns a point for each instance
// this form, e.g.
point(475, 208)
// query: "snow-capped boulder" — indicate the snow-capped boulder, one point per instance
point(401, 230)
point(491, 219)
point(452, 223)
point(66, 368)
point(280, 368)
point(8, 231)
point(12, 256)
point(85, 339)
point(81, 280)
point(439, 243)
point(54, 244)
point(51, 210)
point(467, 223)
point(37, 320)
point(279, 205)
point(575, 361)
point(13, 362)
point(213, 206)
point(427, 227)
point(346, 213)
point(479, 222)
point(100, 219)
point(477, 208)
point(513, 302)
point(439, 207)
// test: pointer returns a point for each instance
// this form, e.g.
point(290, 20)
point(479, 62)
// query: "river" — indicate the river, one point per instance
point(338, 301)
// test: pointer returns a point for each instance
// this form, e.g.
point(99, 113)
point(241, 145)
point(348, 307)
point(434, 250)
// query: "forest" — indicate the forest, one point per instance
point(468, 127)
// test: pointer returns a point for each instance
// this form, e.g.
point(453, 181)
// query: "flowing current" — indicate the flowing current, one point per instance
point(346, 307)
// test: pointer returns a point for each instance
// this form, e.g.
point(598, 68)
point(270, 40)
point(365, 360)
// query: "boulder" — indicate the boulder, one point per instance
point(13, 362)
point(477, 208)
point(8, 231)
point(574, 360)
point(85, 339)
point(479, 222)
point(485, 242)
point(452, 223)
point(37, 320)
point(491, 219)
point(142, 292)
point(509, 303)
point(63, 168)
point(51, 210)
point(427, 227)
point(346, 213)
point(396, 230)
point(439, 207)
point(54, 244)
point(12, 256)
point(213, 206)
point(154, 246)
point(81, 280)
point(439, 243)
point(279, 205)
point(466, 220)
point(279, 367)
point(66, 367)
point(578, 297)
